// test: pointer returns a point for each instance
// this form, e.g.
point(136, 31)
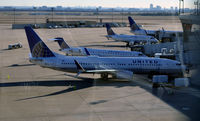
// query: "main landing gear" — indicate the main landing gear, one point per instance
point(104, 76)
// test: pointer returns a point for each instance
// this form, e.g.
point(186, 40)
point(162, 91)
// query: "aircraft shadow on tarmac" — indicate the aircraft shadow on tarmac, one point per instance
point(187, 103)
point(20, 65)
point(97, 45)
point(105, 41)
point(3, 50)
point(70, 84)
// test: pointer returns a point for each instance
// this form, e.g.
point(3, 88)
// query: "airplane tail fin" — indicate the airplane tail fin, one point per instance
point(37, 47)
point(63, 44)
point(109, 30)
point(87, 52)
point(133, 25)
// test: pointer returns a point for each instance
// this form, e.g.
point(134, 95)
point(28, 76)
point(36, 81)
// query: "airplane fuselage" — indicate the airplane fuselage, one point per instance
point(80, 51)
point(133, 38)
point(137, 65)
point(161, 33)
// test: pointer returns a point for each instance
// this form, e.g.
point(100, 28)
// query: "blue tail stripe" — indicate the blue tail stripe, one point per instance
point(32, 37)
point(131, 21)
point(109, 30)
point(133, 25)
point(108, 26)
point(37, 46)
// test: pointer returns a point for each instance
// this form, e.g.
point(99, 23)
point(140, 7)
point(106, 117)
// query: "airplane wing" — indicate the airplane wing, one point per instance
point(82, 70)
point(119, 73)
point(101, 71)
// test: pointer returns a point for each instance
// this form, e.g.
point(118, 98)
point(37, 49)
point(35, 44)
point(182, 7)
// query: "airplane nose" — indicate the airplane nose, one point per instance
point(185, 69)
point(156, 40)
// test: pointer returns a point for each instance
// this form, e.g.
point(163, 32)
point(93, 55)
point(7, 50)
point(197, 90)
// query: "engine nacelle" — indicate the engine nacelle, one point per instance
point(131, 44)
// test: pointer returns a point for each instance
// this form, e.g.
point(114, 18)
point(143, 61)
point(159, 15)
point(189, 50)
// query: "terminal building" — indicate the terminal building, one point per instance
point(190, 52)
point(191, 39)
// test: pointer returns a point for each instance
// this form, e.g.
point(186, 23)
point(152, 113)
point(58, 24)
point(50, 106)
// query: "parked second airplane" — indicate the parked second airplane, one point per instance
point(159, 34)
point(118, 66)
point(129, 39)
point(81, 51)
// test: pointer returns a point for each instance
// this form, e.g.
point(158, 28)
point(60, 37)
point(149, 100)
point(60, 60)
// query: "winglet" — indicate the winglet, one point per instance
point(133, 24)
point(87, 52)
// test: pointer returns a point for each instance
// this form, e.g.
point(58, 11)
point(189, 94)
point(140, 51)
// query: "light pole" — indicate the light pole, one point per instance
point(179, 11)
point(14, 15)
point(52, 9)
point(183, 7)
point(122, 15)
point(197, 7)
point(112, 15)
point(180, 6)
point(35, 15)
point(97, 14)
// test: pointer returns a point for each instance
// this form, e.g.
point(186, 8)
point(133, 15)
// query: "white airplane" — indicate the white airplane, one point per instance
point(159, 34)
point(129, 39)
point(118, 66)
point(81, 51)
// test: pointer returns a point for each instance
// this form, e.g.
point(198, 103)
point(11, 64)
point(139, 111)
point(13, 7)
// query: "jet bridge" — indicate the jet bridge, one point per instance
point(151, 49)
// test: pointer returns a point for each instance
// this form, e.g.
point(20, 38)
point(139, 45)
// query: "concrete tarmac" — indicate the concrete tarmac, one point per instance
point(32, 93)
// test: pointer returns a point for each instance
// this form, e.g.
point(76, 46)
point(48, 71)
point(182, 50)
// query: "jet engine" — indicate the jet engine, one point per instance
point(131, 44)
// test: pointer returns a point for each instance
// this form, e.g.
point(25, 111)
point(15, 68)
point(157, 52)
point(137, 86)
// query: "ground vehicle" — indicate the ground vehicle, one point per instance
point(14, 46)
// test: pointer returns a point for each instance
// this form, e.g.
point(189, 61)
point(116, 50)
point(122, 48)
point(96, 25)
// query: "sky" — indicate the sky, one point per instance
point(103, 3)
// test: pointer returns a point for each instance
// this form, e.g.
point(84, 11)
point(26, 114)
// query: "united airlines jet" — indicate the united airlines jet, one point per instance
point(129, 39)
point(117, 66)
point(81, 51)
point(155, 33)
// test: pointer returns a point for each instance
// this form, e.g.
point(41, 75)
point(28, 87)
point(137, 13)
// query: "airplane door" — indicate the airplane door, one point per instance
point(158, 68)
